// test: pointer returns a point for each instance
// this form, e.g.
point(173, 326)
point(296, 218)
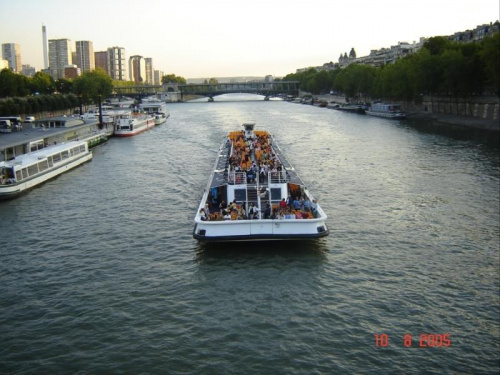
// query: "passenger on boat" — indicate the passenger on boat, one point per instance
point(253, 211)
point(222, 206)
point(203, 215)
point(282, 204)
point(267, 211)
point(296, 203)
point(314, 208)
point(226, 215)
point(307, 205)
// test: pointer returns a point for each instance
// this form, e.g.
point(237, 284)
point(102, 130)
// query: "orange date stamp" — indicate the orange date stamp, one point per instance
point(424, 340)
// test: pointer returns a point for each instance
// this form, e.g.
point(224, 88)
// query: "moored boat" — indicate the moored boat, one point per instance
point(157, 108)
point(128, 124)
point(255, 194)
point(386, 111)
point(29, 170)
point(353, 108)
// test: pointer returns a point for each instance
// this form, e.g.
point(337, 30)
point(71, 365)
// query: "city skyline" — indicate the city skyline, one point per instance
point(222, 38)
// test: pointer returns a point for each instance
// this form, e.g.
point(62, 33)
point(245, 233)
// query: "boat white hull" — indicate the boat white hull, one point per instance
point(138, 129)
point(386, 115)
point(258, 230)
point(10, 191)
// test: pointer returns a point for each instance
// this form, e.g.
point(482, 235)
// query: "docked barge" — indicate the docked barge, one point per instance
point(29, 170)
point(255, 194)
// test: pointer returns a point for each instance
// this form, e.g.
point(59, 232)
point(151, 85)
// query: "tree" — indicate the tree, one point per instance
point(42, 83)
point(93, 86)
point(172, 78)
point(213, 81)
point(490, 56)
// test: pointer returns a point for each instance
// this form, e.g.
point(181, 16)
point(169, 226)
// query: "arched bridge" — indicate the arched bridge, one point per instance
point(211, 90)
point(263, 88)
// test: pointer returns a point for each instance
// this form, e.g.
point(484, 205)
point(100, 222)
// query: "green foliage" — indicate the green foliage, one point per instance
point(12, 84)
point(93, 86)
point(441, 67)
point(42, 83)
point(172, 78)
point(489, 56)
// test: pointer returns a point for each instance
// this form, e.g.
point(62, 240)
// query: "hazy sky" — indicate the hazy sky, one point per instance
point(217, 38)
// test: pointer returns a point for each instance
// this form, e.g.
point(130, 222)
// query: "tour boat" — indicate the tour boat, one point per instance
point(241, 204)
point(155, 107)
point(128, 124)
point(386, 110)
point(29, 170)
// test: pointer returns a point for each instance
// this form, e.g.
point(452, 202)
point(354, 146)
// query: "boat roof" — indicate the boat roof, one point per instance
point(35, 156)
point(32, 134)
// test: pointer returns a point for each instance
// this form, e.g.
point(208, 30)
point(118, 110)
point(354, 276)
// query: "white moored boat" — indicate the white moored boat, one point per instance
point(386, 110)
point(128, 124)
point(157, 108)
point(29, 170)
point(242, 204)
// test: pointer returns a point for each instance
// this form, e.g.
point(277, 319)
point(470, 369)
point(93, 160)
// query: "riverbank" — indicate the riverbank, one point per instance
point(448, 119)
point(437, 118)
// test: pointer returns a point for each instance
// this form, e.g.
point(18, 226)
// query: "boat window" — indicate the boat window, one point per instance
point(43, 165)
point(276, 194)
point(33, 169)
point(19, 176)
point(75, 150)
point(25, 173)
point(56, 158)
point(82, 148)
point(49, 160)
point(65, 154)
point(240, 195)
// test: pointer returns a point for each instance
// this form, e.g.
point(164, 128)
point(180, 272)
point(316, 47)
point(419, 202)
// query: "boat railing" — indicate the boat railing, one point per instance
point(237, 178)
point(278, 177)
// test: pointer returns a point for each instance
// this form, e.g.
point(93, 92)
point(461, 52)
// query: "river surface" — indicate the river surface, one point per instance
point(99, 273)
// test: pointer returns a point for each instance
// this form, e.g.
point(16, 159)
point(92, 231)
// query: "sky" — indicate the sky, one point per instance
point(229, 38)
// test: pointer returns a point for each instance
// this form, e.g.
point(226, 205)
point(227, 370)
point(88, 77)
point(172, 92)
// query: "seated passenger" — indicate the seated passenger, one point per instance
point(203, 215)
point(307, 205)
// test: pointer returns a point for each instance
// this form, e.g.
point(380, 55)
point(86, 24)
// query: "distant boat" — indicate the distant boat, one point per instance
point(353, 108)
point(155, 107)
point(128, 125)
point(29, 170)
point(386, 111)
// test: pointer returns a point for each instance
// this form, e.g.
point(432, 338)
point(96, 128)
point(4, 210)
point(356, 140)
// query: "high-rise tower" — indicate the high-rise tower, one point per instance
point(12, 53)
point(45, 52)
point(85, 55)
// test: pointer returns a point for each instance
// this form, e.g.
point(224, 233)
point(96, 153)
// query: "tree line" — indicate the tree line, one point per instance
point(441, 67)
point(41, 93)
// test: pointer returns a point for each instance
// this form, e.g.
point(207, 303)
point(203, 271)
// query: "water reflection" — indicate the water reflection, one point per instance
point(316, 250)
point(488, 137)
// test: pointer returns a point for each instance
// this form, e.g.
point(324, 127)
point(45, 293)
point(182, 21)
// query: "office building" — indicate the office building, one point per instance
point(59, 56)
point(137, 69)
point(158, 74)
point(84, 56)
point(117, 65)
point(101, 60)
point(12, 53)
point(149, 70)
point(28, 70)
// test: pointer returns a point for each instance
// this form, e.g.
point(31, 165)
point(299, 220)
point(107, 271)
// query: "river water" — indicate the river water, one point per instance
point(99, 273)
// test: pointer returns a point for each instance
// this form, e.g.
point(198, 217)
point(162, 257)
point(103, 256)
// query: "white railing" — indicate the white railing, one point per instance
point(278, 177)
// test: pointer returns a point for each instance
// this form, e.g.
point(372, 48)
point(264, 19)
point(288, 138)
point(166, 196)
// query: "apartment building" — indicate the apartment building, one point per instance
point(117, 64)
point(137, 69)
point(12, 53)
point(85, 59)
point(59, 56)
